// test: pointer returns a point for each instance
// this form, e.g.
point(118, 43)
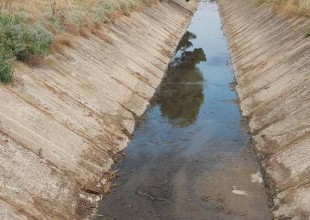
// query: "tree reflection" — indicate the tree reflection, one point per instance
point(181, 93)
point(185, 41)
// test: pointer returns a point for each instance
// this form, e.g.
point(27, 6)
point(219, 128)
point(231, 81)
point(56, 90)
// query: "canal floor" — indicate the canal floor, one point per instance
point(190, 157)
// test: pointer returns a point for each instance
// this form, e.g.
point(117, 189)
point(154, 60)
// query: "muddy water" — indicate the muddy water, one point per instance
point(190, 156)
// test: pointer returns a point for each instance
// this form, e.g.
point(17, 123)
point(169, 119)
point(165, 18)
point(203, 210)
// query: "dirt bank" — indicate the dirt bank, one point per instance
point(270, 55)
point(62, 122)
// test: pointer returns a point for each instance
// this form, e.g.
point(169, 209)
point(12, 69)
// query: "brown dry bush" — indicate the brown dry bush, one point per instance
point(289, 7)
point(4, 4)
point(61, 40)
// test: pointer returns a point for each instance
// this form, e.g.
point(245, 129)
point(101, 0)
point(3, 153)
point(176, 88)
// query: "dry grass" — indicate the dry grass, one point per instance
point(60, 40)
point(70, 16)
point(70, 12)
point(48, 25)
point(289, 7)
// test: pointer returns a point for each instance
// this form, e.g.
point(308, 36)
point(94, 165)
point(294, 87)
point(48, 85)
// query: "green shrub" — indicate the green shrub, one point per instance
point(20, 41)
point(5, 72)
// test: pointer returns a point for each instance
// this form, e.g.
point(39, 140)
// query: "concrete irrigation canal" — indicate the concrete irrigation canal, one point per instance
point(213, 126)
point(191, 156)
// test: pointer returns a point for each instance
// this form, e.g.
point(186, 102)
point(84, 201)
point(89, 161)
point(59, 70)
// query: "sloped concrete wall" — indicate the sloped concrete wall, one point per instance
point(271, 60)
point(62, 122)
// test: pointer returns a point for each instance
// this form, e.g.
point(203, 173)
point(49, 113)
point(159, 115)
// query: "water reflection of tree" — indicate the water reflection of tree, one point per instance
point(185, 41)
point(181, 93)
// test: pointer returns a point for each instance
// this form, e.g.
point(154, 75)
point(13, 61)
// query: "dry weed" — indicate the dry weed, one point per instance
point(61, 40)
point(289, 7)
point(5, 4)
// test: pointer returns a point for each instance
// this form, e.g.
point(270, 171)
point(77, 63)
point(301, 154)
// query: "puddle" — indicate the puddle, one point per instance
point(190, 156)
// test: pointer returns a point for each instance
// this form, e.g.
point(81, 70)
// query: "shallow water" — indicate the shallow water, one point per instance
point(190, 156)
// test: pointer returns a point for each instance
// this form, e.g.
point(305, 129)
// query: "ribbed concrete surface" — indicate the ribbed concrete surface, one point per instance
point(61, 122)
point(271, 59)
